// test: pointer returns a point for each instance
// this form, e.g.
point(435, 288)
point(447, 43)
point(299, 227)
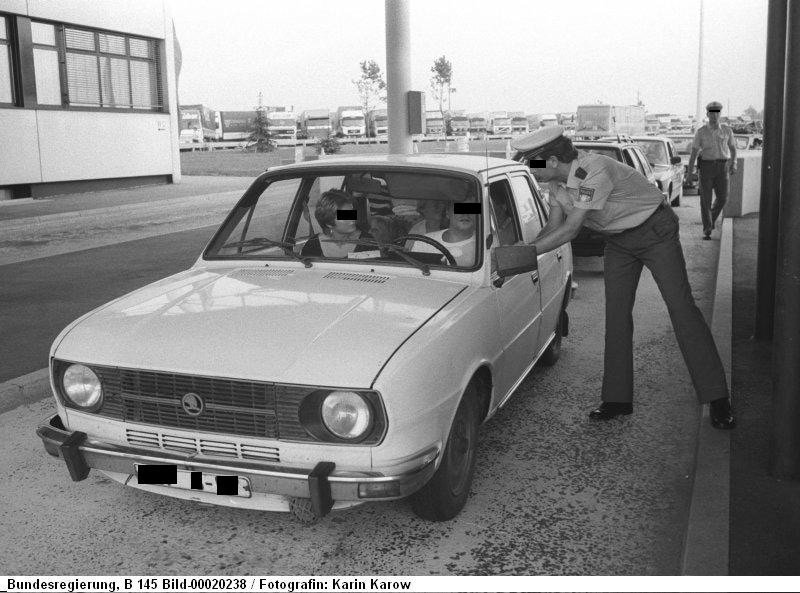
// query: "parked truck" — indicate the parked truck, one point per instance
point(519, 123)
point(197, 124)
point(350, 122)
point(459, 123)
point(477, 124)
point(434, 123)
point(378, 123)
point(315, 123)
point(235, 125)
point(604, 120)
point(499, 123)
point(282, 125)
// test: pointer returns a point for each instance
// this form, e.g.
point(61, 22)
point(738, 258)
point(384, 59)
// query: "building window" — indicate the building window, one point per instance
point(6, 70)
point(45, 63)
point(97, 70)
point(115, 71)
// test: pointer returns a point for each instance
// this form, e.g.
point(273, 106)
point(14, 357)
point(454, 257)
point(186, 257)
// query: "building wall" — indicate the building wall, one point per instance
point(59, 144)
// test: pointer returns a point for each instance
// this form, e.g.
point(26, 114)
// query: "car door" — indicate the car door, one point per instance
point(676, 169)
point(518, 298)
point(550, 272)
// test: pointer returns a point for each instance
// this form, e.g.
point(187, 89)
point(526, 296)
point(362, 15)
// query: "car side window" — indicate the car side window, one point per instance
point(627, 158)
point(526, 208)
point(646, 168)
point(503, 212)
point(670, 149)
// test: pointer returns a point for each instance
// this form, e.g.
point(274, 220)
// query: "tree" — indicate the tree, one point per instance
point(753, 113)
point(371, 86)
point(440, 84)
point(260, 137)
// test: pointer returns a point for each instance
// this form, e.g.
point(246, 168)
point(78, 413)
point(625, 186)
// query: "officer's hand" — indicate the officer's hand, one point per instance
point(732, 168)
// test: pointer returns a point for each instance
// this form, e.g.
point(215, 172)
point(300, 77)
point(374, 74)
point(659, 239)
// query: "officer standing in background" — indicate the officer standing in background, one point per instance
point(717, 160)
point(641, 230)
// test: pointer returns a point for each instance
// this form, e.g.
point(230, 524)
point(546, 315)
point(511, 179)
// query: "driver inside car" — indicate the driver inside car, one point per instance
point(339, 236)
point(458, 238)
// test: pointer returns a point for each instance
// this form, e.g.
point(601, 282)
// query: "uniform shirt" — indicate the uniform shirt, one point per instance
point(713, 143)
point(616, 196)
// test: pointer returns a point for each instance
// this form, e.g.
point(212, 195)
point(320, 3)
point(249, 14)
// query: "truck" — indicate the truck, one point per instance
point(378, 123)
point(197, 123)
point(350, 122)
point(315, 123)
point(477, 124)
point(519, 123)
point(434, 123)
point(607, 120)
point(282, 125)
point(459, 123)
point(235, 125)
point(499, 123)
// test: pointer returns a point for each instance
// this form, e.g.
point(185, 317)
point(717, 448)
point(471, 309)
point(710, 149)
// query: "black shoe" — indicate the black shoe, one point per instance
point(609, 410)
point(707, 237)
point(721, 414)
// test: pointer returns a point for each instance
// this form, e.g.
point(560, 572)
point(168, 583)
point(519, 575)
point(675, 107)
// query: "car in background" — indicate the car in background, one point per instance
point(667, 165)
point(683, 147)
point(317, 356)
point(748, 141)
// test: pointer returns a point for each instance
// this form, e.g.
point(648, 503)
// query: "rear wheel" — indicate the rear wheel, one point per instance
point(443, 497)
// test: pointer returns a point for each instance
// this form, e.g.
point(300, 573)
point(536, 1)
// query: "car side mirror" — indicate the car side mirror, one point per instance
point(676, 160)
point(515, 259)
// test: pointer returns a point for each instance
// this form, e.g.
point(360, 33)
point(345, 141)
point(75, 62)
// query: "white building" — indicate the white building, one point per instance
point(87, 96)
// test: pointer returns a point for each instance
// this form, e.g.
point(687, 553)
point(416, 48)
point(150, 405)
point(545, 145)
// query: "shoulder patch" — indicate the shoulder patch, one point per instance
point(580, 173)
point(586, 194)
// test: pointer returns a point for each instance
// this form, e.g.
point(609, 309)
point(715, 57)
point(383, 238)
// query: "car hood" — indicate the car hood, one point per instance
point(304, 326)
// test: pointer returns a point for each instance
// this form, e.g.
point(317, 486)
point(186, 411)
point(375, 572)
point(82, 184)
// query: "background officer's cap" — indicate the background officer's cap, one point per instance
point(714, 106)
point(538, 139)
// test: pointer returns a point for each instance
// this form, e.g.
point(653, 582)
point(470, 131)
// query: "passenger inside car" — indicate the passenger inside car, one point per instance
point(434, 217)
point(339, 235)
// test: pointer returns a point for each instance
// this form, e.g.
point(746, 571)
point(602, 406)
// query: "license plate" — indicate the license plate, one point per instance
point(210, 483)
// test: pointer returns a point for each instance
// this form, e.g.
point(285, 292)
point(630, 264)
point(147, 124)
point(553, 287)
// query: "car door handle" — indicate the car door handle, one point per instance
point(558, 255)
point(535, 277)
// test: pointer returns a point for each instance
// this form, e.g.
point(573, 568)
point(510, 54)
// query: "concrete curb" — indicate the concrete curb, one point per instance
point(706, 547)
point(26, 389)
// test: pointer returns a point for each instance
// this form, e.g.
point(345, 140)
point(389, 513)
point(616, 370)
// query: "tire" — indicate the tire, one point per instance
point(676, 201)
point(553, 353)
point(443, 497)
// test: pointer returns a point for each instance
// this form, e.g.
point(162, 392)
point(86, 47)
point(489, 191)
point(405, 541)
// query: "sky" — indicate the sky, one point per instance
point(534, 56)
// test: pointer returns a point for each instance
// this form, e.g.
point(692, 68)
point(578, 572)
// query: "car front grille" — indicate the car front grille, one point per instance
point(245, 408)
point(215, 448)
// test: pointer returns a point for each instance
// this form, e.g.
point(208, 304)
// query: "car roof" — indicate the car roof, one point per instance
point(646, 138)
point(601, 143)
point(462, 163)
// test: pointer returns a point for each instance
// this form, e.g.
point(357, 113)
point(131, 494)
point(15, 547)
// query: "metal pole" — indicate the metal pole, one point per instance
point(786, 345)
point(770, 170)
point(698, 107)
point(398, 74)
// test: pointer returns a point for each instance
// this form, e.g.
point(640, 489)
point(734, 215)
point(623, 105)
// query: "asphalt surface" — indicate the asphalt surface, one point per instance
point(553, 493)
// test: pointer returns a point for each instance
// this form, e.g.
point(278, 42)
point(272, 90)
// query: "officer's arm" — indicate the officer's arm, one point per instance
point(554, 221)
point(732, 147)
point(564, 233)
point(692, 157)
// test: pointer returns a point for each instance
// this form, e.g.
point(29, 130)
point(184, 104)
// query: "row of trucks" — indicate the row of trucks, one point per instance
point(597, 120)
point(200, 124)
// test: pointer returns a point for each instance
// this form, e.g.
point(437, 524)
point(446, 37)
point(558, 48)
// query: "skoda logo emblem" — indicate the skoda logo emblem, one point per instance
point(192, 404)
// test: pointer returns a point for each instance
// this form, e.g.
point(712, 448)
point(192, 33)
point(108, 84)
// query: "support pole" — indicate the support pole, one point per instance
point(771, 170)
point(698, 107)
point(786, 344)
point(398, 74)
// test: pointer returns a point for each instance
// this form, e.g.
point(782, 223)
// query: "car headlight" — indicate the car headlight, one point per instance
point(82, 386)
point(346, 414)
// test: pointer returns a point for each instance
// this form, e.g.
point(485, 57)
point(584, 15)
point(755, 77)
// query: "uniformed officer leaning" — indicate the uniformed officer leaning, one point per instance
point(716, 148)
point(641, 230)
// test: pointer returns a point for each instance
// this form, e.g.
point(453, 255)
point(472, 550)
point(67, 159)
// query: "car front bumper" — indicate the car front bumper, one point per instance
point(321, 484)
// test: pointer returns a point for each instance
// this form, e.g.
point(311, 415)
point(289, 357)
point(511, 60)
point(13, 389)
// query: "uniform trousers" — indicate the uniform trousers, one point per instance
point(655, 244)
point(713, 176)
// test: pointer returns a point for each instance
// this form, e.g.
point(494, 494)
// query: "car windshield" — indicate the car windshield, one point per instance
point(604, 150)
point(655, 151)
point(683, 145)
point(401, 218)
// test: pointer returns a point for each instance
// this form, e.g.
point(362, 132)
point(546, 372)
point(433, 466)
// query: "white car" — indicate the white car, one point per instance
point(667, 165)
point(316, 355)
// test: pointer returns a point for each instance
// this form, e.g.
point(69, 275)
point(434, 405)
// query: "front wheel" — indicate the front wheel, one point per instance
point(443, 497)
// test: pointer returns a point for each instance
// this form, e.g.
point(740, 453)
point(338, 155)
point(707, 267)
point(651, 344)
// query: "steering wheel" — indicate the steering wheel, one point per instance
point(433, 242)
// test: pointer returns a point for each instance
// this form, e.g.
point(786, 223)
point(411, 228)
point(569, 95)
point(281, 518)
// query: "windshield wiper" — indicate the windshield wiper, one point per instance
point(261, 242)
